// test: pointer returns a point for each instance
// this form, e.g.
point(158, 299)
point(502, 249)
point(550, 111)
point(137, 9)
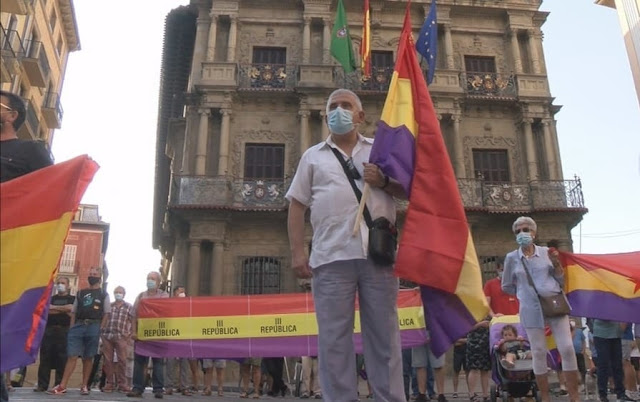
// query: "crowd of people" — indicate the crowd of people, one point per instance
point(90, 326)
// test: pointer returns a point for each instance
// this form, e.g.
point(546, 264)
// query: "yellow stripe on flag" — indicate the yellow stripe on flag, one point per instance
point(27, 253)
point(398, 108)
point(469, 288)
point(258, 326)
point(599, 279)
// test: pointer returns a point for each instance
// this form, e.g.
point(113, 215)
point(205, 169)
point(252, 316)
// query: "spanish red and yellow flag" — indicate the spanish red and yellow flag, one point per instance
point(365, 45)
point(36, 213)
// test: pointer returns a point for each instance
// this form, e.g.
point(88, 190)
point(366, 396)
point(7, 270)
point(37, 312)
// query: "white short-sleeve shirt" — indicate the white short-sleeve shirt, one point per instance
point(321, 184)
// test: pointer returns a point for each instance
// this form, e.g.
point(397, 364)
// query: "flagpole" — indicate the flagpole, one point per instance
point(363, 203)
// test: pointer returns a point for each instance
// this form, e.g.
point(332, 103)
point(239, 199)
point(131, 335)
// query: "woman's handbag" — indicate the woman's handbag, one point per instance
point(383, 235)
point(552, 306)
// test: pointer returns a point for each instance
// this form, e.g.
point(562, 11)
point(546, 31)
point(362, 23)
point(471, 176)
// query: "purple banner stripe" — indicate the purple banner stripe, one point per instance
point(604, 305)
point(15, 325)
point(292, 346)
point(447, 318)
point(394, 152)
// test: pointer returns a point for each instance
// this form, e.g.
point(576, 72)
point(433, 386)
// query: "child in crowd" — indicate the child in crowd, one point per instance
point(512, 346)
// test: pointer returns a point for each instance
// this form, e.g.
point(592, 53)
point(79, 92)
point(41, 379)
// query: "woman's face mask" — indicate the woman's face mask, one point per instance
point(524, 239)
point(340, 121)
point(151, 284)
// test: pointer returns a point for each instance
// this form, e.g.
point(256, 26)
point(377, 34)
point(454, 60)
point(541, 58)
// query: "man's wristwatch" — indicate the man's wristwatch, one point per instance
point(386, 181)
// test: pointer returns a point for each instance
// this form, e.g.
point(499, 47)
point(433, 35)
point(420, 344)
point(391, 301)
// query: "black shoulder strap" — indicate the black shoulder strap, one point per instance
point(356, 190)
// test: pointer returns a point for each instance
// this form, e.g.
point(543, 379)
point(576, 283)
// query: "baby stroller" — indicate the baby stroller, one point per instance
point(513, 382)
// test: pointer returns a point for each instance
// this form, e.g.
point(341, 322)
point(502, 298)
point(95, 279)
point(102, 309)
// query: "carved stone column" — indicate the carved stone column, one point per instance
point(533, 51)
point(211, 43)
point(306, 40)
point(326, 40)
point(458, 152)
point(201, 145)
point(233, 31)
point(189, 133)
point(223, 160)
point(200, 46)
point(217, 273)
point(515, 50)
point(325, 128)
point(532, 164)
point(448, 46)
point(556, 149)
point(550, 151)
point(193, 275)
point(305, 137)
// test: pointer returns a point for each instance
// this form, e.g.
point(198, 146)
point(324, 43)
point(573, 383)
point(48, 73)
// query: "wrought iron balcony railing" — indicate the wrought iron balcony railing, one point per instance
point(52, 110)
point(267, 76)
point(268, 194)
point(12, 44)
point(490, 84)
point(224, 192)
point(36, 63)
point(535, 195)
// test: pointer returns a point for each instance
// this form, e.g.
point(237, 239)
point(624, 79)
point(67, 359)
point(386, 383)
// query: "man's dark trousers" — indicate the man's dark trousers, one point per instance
point(53, 355)
point(609, 363)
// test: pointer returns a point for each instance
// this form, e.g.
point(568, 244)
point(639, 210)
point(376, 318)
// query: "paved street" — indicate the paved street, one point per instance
point(27, 395)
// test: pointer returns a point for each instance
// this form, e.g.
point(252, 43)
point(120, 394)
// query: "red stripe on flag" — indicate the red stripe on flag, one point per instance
point(46, 193)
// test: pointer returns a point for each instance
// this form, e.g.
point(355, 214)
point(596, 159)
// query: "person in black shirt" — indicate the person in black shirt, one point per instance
point(53, 350)
point(89, 315)
point(17, 157)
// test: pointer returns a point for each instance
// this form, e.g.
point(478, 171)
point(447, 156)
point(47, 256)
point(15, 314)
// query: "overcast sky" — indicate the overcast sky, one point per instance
point(110, 100)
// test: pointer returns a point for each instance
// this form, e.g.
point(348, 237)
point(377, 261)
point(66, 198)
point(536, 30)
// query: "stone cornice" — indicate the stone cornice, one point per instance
point(70, 24)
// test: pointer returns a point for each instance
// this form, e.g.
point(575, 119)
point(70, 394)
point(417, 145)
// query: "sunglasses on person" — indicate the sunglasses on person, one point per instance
point(526, 230)
point(352, 169)
point(6, 107)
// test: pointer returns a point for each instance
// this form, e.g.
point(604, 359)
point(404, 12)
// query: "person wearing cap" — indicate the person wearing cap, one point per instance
point(90, 313)
point(17, 157)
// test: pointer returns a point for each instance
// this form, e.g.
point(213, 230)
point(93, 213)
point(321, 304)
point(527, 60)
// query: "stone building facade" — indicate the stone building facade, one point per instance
point(243, 91)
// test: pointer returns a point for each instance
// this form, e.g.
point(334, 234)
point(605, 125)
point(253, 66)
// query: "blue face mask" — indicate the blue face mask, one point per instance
point(151, 284)
point(524, 239)
point(340, 121)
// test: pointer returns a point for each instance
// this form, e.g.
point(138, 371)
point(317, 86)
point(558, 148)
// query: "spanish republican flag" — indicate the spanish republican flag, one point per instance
point(36, 213)
point(436, 249)
point(605, 286)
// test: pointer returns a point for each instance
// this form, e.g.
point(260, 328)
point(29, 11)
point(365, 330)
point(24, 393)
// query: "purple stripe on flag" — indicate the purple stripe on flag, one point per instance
point(394, 152)
point(604, 305)
point(15, 325)
point(292, 346)
point(447, 318)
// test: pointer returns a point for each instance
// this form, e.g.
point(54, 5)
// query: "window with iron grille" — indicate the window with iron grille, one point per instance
point(489, 266)
point(479, 64)
point(261, 275)
point(269, 55)
point(492, 165)
point(264, 161)
point(68, 259)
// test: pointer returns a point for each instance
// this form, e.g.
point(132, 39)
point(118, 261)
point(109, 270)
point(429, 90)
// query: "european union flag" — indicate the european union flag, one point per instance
point(427, 43)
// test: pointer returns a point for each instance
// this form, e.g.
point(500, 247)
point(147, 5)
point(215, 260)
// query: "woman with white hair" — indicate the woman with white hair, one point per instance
point(539, 266)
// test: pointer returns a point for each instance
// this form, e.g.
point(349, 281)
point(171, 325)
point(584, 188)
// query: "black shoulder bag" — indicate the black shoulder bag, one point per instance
point(383, 235)
point(552, 306)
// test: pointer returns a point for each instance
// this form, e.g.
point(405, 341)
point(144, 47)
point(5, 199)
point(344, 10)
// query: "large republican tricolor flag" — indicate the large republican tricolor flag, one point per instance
point(605, 286)
point(36, 212)
point(436, 249)
point(251, 326)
